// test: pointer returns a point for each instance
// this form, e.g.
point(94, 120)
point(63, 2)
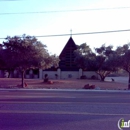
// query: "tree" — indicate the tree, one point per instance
point(27, 52)
point(124, 53)
point(107, 61)
point(6, 60)
point(103, 61)
point(82, 54)
point(2, 64)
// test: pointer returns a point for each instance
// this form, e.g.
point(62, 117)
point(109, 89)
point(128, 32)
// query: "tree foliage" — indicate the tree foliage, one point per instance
point(124, 54)
point(103, 60)
point(108, 62)
point(26, 52)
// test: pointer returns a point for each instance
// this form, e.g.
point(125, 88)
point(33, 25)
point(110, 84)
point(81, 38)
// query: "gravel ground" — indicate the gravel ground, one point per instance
point(62, 84)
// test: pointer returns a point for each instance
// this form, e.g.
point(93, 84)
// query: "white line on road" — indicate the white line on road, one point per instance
point(61, 112)
point(42, 102)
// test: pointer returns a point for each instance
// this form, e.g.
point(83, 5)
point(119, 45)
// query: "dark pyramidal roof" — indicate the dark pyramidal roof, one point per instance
point(67, 56)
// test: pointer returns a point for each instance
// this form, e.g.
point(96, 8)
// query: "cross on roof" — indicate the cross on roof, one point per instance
point(71, 33)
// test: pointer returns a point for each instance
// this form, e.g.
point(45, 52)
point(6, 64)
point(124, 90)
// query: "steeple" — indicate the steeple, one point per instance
point(67, 56)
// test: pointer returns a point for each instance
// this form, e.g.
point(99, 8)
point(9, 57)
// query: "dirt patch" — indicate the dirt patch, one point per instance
point(62, 84)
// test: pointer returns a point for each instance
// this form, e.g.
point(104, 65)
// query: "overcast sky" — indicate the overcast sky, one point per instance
point(100, 15)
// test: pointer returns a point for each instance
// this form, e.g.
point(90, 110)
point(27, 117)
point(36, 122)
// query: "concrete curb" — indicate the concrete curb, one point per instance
point(78, 90)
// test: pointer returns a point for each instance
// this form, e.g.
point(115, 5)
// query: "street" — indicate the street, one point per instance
point(63, 110)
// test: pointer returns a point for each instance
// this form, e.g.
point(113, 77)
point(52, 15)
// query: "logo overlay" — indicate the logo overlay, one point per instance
point(122, 124)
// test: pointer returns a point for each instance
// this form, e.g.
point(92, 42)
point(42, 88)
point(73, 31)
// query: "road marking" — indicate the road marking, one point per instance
point(62, 96)
point(42, 102)
point(61, 112)
point(26, 96)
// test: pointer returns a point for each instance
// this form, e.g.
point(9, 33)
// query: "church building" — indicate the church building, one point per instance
point(67, 57)
point(67, 69)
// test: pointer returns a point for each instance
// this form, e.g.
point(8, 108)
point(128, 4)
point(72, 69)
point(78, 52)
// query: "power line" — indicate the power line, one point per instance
point(88, 33)
point(63, 11)
point(9, 0)
point(113, 31)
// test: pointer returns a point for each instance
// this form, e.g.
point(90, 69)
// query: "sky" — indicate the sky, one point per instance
point(56, 18)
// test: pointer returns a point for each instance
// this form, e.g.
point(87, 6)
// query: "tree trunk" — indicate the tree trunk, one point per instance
point(102, 78)
point(9, 73)
point(129, 82)
point(103, 74)
point(23, 78)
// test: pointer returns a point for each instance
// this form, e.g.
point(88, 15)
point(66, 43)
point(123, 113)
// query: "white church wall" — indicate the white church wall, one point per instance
point(1, 74)
point(89, 74)
point(80, 73)
point(69, 74)
point(51, 74)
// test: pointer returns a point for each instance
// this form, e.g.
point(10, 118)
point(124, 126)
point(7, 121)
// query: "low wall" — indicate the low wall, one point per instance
point(51, 74)
point(89, 74)
point(69, 75)
point(16, 74)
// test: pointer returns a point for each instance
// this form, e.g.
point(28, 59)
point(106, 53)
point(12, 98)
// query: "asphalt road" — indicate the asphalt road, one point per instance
point(63, 110)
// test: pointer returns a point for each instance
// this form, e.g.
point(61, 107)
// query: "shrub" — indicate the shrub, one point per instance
point(93, 77)
point(46, 78)
point(83, 77)
point(87, 86)
point(69, 75)
point(56, 75)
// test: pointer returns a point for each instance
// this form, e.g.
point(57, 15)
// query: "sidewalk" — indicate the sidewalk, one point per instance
point(66, 90)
